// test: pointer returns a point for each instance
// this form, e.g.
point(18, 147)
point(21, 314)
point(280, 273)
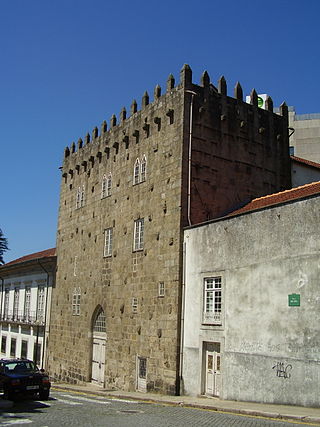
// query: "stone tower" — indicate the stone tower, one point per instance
point(192, 154)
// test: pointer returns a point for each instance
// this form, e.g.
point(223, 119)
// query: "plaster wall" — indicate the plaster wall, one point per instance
point(270, 350)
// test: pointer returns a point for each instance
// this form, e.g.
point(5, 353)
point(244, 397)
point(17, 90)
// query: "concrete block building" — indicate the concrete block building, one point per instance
point(192, 154)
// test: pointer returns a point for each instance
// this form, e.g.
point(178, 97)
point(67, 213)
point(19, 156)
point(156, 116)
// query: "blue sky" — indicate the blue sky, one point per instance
point(67, 65)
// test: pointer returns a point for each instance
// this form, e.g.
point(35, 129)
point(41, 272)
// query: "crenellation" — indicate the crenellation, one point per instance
point(145, 100)
point(254, 98)
point(123, 114)
point(170, 83)
point(205, 79)
point(238, 94)
point(222, 86)
point(113, 121)
point(157, 92)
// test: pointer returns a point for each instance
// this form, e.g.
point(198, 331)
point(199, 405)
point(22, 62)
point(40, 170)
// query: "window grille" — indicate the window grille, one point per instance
point(76, 300)
point(100, 323)
point(40, 305)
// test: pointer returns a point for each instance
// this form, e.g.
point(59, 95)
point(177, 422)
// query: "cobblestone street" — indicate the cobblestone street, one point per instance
point(80, 409)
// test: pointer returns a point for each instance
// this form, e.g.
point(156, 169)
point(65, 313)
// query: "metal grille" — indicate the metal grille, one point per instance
point(100, 323)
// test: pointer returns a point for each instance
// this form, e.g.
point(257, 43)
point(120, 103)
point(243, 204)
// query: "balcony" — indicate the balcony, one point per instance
point(30, 318)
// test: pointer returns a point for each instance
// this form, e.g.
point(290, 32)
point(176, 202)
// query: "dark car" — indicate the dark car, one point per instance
point(21, 377)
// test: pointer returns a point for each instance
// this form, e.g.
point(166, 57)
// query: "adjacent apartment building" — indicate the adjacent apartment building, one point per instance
point(192, 154)
point(26, 285)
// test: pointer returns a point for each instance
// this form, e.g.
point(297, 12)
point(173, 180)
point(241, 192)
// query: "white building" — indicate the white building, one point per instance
point(25, 294)
point(252, 298)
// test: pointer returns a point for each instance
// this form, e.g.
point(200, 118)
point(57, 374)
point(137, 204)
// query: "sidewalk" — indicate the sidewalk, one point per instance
point(285, 412)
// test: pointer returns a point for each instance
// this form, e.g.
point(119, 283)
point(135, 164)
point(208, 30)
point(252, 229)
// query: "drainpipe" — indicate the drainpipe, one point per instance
point(182, 312)
point(45, 317)
point(190, 154)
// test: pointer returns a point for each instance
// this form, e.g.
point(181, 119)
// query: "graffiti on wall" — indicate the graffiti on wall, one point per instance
point(282, 370)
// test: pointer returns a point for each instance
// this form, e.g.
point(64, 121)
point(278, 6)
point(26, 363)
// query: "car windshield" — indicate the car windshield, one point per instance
point(20, 366)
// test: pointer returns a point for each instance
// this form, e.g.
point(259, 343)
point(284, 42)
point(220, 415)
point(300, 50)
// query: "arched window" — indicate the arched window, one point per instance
point(136, 172)
point(143, 169)
point(100, 322)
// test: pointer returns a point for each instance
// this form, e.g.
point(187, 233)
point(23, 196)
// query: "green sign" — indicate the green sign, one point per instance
point(260, 102)
point(294, 300)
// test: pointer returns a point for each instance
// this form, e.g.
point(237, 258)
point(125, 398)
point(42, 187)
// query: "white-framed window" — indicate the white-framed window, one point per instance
point(76, 300)
point(108, 240)
point(143, 169)
point(161, 289)
point(6, 303)
point(80, 199)
point(140, 170)
point(134, 305)
point(100, 323)
point(136, 172)
point(138, 234)
point(212, 300)
point(40, 304)
point(106, 186)
point(16, 303)
point(27, 303)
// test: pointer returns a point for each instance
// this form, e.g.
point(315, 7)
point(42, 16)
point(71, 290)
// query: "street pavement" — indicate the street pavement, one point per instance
point(279, 412)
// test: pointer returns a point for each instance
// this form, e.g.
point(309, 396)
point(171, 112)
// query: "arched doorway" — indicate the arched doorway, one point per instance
point(99, 340)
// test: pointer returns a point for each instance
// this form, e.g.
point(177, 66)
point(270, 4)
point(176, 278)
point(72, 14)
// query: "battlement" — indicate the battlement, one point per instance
point(140, 124)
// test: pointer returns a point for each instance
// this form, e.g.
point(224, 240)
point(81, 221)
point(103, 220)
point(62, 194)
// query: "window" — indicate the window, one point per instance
point(27, 302)
point(3, 344)
point(24, 349)
point(108, 235)
point(140, 170)
point(16, 303)
point(212, 301)
point(134, 305)
point(40, 305)
point(136, 172)
point(6, 303)
point(106, 186)
point(161, 289)
point(143, 169)
point(80, 197)
point(100, 323)
point(76, 299)
point(13, 347)
point(138, 234)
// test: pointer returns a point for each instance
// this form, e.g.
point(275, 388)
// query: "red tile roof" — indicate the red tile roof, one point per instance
point(277, 198)
point(306, 162)
point(37, 255)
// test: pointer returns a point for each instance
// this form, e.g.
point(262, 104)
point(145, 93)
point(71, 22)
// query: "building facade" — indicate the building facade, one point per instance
point(252, 300)
point(26, 285)
point(192, 154)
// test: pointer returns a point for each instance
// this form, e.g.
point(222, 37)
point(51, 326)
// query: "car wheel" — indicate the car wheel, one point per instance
point(44, 394)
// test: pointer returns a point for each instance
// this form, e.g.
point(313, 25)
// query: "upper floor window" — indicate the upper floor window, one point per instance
point(40, 303)
point(138, 234)
point(16, 303)
point(108, 238)
point(140, 170)
point(212, 301)
point(27, 303)
point(106, 186)
point(80, 197)
point(6, 303)
point(76, 299)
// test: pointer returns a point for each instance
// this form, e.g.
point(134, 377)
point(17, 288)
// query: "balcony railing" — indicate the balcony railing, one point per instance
point(30, 318)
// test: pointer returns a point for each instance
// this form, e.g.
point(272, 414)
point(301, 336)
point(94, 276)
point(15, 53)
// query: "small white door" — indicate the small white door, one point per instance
point(213, 374)
point(142, 374)
point(98, 360)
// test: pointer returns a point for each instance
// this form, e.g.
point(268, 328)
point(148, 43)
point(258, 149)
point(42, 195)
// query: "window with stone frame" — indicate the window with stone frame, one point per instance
point(161, 289)
point(106, 186)
point(134, 305)
point(3, 344)
point(80, 199)
point(212, 301)
point(143, 169)
point(108, 241)
point(76, 300)
point(16, 303)
point(136, 172)
point(138, 240)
